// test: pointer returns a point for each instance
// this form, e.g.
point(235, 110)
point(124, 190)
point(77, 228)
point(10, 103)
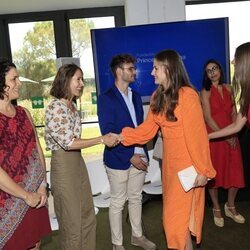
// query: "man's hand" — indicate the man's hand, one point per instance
point(139, 161)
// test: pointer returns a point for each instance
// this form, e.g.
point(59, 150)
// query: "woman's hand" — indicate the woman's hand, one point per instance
point(32, 199)
point(118, 137)
point(201, 180)
point(44, 197)
point(110, 140)
point(232, 142)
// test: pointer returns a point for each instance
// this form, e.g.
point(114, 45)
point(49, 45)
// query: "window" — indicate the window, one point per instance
point(81, 48)
point(237, 12)
point(239, 20)
point(34, 54)
point(35, 40)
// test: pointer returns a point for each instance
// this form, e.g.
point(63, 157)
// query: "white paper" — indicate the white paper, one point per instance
point(187, 177)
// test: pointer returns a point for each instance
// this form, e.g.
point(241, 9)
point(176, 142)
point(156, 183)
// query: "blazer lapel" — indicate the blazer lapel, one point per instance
point(137, 108)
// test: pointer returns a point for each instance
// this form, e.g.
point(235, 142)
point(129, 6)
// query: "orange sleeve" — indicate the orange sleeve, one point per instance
point(195, 133)
point(141, 134)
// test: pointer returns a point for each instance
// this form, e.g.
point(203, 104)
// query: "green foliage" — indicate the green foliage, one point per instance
point(80, 35)
point(90, 133)
point(85, 102)
point(36, 59)
point(31, 89)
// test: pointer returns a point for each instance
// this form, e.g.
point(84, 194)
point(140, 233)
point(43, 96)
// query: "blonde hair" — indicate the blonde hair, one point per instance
point(241, 79)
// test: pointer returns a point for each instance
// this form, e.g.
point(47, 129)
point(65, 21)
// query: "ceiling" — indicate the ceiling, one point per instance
point(22, 6)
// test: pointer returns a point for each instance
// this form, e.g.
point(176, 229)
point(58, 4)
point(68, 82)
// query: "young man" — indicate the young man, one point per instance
point(126, 167)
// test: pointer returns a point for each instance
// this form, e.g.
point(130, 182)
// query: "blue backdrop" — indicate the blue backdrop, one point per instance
point(196, 41)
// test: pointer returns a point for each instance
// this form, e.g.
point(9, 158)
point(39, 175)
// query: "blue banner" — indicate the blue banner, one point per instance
point(196, 42)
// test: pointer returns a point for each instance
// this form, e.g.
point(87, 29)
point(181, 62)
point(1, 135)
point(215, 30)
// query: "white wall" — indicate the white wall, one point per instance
point(154, 11)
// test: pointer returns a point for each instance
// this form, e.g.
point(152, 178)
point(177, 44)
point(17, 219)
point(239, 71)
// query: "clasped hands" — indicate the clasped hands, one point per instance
point(112, 139)
point(37, 199)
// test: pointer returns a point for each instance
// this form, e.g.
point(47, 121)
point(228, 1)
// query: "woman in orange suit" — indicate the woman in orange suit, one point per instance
point(175, 109)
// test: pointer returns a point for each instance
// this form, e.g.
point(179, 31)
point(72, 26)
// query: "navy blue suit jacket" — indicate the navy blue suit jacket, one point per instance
point(113, 116)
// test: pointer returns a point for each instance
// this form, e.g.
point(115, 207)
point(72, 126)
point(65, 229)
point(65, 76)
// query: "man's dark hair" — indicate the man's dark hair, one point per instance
point(119, 60)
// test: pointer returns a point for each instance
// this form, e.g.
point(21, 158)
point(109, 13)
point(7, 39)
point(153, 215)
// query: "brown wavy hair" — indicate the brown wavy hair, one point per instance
point(241, 79)
point(166, 99)
point(60, 86)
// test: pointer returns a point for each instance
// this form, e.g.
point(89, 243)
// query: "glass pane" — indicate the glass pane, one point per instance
point(238, 13)
point(81, 48)
point(34, 55)
point(94, 153)
point(33, 52)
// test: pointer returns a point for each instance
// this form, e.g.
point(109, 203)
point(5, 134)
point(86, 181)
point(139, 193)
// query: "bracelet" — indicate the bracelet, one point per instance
point(102, 141)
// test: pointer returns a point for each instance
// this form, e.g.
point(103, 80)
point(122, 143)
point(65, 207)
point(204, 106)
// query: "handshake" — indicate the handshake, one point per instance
point(111, 139)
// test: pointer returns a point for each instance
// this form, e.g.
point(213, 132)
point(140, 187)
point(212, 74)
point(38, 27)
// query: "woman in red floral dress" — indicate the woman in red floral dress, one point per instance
point(24, 218)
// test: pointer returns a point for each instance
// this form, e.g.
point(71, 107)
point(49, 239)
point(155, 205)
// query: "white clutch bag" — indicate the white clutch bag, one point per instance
point(187, 177)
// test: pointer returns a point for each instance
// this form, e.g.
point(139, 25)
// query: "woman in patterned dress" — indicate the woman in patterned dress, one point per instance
point(24, 219)
point(69, 178)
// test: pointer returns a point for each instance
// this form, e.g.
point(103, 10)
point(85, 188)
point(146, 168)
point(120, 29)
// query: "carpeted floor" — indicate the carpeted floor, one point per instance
point(232, 237)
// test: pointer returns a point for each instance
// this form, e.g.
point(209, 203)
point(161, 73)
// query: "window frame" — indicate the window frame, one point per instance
point(60, 20)
point(61, 26)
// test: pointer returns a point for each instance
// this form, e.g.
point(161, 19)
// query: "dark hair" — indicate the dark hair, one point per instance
point(206, 82)
point(167, 99)
point(5, 66)
point(118, 61)
point(60, 86)
point(241, 79)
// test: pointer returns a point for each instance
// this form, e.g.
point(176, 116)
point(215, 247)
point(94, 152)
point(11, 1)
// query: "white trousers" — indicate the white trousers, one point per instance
point(125, 185)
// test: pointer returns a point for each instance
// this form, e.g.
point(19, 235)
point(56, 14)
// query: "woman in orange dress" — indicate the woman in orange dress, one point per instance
point(175, 109)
